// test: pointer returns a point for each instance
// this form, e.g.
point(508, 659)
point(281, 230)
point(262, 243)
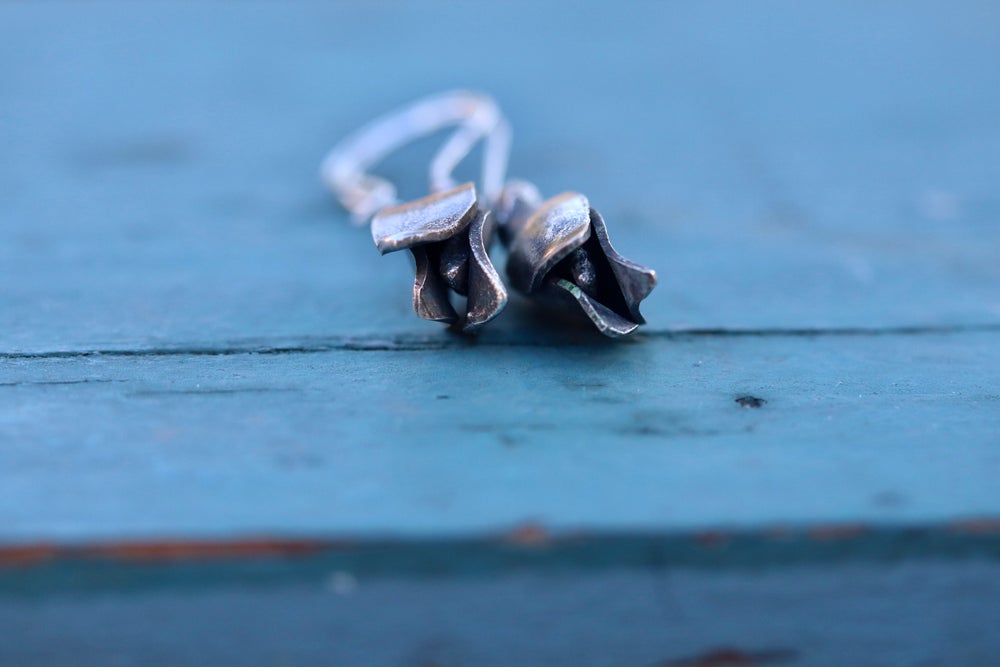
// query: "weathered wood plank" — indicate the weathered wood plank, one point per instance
point(426, 440)
point(286, 452)
point(907, 614)
point(159, 173)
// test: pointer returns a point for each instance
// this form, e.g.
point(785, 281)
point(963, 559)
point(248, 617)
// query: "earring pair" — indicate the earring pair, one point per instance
point(559, 252)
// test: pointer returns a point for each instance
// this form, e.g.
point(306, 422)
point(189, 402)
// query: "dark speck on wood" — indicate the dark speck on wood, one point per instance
point(750, 402)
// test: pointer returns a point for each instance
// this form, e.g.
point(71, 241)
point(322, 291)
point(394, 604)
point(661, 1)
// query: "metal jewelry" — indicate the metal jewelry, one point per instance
point(559, 251)
point(448, 232)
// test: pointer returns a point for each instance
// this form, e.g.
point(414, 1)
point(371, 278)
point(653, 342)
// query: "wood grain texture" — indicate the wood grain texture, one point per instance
point(480, 436)
point(224, 436)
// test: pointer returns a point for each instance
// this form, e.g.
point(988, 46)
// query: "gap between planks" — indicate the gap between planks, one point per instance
point(417, 343)
point(32, 569)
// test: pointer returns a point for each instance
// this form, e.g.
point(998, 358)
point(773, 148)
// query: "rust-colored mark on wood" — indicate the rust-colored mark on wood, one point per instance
point(837, 532)
point(712, 538)
point(977, 526)
point(28, 554)
point(732, 657)
point(154, 552)
point(195, 550)
point(529, 535)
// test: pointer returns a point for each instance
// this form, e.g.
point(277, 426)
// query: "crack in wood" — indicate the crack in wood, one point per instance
point(416, 343)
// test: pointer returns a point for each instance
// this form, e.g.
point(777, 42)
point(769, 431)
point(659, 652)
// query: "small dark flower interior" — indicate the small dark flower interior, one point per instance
point(452, 258)
point(588, 268)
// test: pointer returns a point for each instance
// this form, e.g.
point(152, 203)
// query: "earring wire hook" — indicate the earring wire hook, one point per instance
point(344, 170)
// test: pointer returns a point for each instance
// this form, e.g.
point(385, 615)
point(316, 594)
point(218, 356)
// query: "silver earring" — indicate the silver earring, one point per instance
point(560, 252)
point(448, 232)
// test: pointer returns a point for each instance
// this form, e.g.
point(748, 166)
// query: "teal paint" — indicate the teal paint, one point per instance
point(193, 341)
point(474, 438)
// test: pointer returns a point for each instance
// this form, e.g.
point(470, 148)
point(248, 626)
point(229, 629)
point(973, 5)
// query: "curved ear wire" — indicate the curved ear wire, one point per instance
point(344, 170)
point(449, 231)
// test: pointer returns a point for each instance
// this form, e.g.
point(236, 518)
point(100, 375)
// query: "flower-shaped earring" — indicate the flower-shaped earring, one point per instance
point(449, 238)
point(560, 252)
point(559, 249)
point(448, 232)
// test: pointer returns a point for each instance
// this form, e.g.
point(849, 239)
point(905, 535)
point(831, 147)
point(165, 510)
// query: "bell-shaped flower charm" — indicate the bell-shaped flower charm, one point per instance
point(561, 252)
point(449, 237)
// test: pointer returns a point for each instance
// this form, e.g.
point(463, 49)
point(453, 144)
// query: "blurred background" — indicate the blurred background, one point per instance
point(226, 439)
point(168, 153)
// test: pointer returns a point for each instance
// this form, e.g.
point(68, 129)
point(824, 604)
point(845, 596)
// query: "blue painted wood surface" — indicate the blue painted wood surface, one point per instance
point(911, 615)
point(483, 437)
point(206, 372)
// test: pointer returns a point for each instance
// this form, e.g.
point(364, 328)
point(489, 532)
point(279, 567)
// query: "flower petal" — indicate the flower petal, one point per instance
point(425, 220)
point(636, 281)
point(557, 228)
point(487, 294)
point(607, 321)
point(430, 294)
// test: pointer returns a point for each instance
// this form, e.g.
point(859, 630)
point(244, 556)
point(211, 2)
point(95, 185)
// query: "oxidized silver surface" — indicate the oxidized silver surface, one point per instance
point(559, 249)
point(448, 232)
point(449, 237)
point(561, 252)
